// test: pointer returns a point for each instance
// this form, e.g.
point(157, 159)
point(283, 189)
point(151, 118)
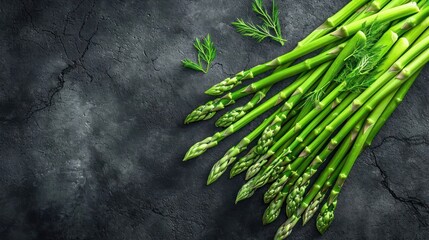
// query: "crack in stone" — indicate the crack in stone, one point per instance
point(222, 69)
point(61, 77)
point(157, 211)
point(415, 204)
point(413, 140)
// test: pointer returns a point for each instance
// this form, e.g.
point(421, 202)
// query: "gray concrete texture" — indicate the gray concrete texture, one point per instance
point(92, 101)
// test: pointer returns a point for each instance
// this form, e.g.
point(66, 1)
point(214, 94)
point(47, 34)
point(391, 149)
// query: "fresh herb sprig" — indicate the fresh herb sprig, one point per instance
point(206, 52)
point(269, 29)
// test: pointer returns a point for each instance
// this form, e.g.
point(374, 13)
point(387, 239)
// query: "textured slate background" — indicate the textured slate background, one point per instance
point(91, 138)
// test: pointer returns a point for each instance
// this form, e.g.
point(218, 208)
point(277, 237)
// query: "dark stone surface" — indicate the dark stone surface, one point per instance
point(91, 107)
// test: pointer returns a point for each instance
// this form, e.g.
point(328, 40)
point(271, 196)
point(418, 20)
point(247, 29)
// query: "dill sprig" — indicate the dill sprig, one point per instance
point(269, 29)
point(206, 52)
point(359, 67)
point(358, 71)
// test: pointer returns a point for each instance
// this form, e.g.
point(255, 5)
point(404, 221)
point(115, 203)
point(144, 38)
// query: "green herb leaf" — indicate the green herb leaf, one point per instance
point(190, 64)
point(271, 23)
point(206, 52)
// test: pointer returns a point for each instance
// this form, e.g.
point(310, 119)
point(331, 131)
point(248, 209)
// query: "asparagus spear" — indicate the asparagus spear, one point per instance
point(326, 27)
point(208, 110)
point(234, 115)
point(273, 210)
point(298, 201)
point(344, 32)
point(230, 156)
point(266, 139)
point(394, 103)
point(220, 167)
point(277, 185)
point(295, 212)
point(313, 202)
point(409, 73)
point(367, 94)
point(304, 139)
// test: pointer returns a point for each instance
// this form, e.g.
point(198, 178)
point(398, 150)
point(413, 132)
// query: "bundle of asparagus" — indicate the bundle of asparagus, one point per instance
point(371, 53)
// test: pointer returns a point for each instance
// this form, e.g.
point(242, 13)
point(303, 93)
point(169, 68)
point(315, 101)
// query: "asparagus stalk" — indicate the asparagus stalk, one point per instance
point(367, 94)
point(208, 110)
point(266, 139)
point(304, 139)
point(295, 200)
point(313, 202)
point(386, 40)
point(234, 115)
point(202, 146)
point(326, 215)
point(395, 102)
point(273, 210)
point(326, 27)
point(230, 156)
point(409, 73)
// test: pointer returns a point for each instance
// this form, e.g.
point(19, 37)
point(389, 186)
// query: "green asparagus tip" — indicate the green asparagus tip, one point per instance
point(326, 216)
point(195, 151)
point(212, 178)
point(213, 91)
point(210, 181)
point(270, 215)
point(187, 157)
point(286, 228)
point(245, 192)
